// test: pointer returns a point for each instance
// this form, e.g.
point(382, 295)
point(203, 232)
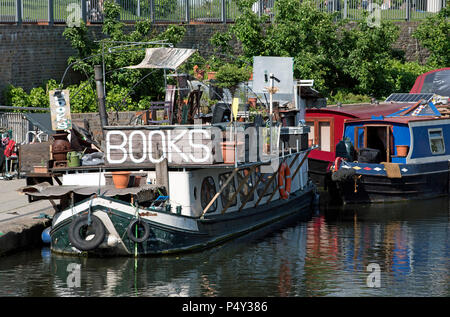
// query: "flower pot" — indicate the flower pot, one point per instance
point(402, 150)
point(211, 75)
point(228, 149)
point(252, 102)
point(205, 110)
point(137, 181)
point(121, 179)
point(40, 169)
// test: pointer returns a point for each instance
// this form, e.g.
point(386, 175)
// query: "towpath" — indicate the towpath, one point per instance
point(21, 222)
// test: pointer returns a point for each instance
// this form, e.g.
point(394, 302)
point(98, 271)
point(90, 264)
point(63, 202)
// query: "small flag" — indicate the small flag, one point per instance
point(235, 107)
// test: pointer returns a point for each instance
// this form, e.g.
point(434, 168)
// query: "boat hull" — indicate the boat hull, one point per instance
point(318, 171)
point(419, 181)
point(173, 233)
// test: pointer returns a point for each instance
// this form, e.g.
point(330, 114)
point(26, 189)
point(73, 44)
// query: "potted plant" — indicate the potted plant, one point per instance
point(230, 76)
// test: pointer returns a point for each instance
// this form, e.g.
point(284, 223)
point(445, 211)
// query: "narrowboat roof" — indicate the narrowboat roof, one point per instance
point(398, 120)
point(363, 110)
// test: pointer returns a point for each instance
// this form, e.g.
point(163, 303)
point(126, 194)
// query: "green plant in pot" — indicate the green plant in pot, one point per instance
point(230, 76)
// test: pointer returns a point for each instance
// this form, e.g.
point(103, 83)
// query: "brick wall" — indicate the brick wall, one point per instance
point(32, 54)
point(93, 120)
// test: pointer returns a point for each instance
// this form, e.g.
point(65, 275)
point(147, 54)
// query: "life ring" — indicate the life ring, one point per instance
point(284, 177)
point(80, 229)
point(337, 163)
point(131, 230)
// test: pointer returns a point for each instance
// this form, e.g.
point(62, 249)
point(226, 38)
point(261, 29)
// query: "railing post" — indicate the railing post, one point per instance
point(188, 11)
point(152, 10)
point(261, 8)
point(224, 11)
point(19, 12)
point(345, 9)
point(84, 11)
point(50, 12)
point(138, 9)
point(408, 10)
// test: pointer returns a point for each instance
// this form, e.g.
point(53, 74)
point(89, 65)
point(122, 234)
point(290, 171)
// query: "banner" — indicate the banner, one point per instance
point(60, 110)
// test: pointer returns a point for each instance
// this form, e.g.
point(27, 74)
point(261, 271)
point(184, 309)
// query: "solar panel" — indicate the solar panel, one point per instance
point(404, 97)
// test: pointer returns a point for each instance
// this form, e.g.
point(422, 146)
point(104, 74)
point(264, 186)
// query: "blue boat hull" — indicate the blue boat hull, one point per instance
point(418, 181)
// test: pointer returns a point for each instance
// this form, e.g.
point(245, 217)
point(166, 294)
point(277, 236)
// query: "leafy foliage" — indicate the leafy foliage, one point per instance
point(230, 75)
point(345, 60)
point(434, 34)
point(122, 91)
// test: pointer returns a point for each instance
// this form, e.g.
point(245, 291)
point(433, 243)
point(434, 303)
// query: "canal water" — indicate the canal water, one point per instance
point(362, 250)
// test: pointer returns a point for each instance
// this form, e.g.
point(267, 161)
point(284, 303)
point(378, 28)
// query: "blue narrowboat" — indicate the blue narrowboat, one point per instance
point(401, 156)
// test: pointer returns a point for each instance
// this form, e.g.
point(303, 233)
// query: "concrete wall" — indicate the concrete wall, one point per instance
point(32, 54)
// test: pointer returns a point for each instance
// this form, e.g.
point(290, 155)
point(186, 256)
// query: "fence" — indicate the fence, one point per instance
point(18, 124)
point(195, 11)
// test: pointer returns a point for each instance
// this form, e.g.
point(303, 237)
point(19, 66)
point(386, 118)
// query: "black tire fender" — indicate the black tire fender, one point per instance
point(76, 237)
point(131, 230)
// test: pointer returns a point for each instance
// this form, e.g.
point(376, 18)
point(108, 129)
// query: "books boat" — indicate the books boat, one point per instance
point(187, 188)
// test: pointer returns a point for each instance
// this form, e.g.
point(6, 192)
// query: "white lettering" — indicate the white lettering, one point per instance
point(171, 145)
point(202, 146)
point(120, 147)
point(144, 146)
point(150, 146)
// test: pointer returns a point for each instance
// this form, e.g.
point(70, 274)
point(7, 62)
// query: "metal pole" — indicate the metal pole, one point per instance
point(138, 9)
point(19, 12)
point(100, 95)
point(188, 12)
point(261, 8)
point(224, 11)
point(152, 10)
point(50, 12)
point(84, 11)
point(345, 9)
point(408, 10)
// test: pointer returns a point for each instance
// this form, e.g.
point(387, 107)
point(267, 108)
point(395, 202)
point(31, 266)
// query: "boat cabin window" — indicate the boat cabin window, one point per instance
point(436, 138)
point(321, 133)
point(263, 179)
point(228, 192)
point(208, 191)
point(247, 186)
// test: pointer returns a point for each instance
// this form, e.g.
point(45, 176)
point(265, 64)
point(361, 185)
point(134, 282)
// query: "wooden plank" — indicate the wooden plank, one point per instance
point(241, 184)
point(251, 193)
point(33, 154)
point(219, 192)
point(275, 191)
point(300, 165)
point(272, 177)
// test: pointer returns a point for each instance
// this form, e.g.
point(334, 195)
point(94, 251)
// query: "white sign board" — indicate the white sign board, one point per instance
point(60, 110)
point(282, 69)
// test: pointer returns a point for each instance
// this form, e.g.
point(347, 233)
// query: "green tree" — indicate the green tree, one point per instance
point(121, 82)
point(434, 34)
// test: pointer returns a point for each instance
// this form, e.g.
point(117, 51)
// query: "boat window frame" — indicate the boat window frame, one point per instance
point(261, 180)
point(249, 184)
point(222, 194)
point(317, 121)
point(389, 137)
point(214, 205)
point(441, 137)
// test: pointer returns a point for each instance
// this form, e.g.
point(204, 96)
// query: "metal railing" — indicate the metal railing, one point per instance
point(196, 11)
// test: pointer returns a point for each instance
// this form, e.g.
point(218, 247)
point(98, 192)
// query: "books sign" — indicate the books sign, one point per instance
point(60, 110)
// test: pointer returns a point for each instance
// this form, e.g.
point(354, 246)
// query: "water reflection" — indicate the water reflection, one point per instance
point(326, 255)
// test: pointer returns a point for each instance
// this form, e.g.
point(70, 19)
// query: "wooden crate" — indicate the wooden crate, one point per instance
point(33, 154)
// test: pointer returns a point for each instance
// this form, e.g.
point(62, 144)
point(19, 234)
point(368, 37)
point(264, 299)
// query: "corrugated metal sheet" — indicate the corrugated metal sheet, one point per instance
point(164, 58)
